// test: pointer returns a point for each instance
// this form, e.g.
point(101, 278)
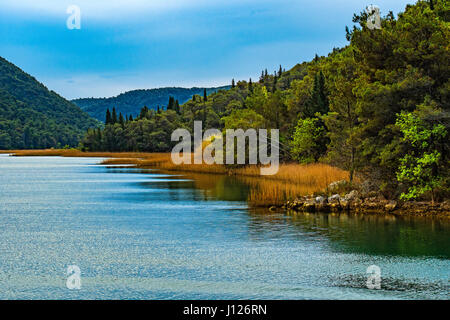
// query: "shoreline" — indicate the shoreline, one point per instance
point(265, 187)
point(366, 205)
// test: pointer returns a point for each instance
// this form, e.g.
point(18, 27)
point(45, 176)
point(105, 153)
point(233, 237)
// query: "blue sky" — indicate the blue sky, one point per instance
point(136, 44)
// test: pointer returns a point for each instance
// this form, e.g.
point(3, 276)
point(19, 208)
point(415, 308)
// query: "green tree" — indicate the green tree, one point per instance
point(318, 101)
point(108, 117)
point(307, 145)
point(424, 167)
point(344, 149)
point(121, 120)
point(114, 116)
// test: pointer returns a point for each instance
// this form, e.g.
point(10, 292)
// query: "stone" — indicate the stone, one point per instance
point(320, 199)
point(309, 205)
point(334, 198)
point(352, 196)
point(344, 204)
point(391, 206)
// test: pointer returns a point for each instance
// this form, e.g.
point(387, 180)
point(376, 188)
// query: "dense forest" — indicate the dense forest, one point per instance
point(131, 102)
point(33, 117)
point(378, 107)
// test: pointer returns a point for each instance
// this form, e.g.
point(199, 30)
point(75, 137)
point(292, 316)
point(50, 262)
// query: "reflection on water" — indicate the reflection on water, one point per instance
point(143, 234)
point(380, 234)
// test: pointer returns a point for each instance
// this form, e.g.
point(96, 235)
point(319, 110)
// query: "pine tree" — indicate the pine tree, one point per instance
point(171, 104)
point(108, 117)
point(121, 120)
point(114, 116)
point(144, 112)
point(318, 101)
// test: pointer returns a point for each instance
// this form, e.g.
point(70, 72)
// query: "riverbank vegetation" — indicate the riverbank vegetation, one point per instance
point(377, 108)
point(290, 181)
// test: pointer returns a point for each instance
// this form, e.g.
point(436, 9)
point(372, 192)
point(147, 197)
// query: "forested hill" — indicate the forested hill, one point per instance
point(31, 116)
point(131, 102)
point(378, 107)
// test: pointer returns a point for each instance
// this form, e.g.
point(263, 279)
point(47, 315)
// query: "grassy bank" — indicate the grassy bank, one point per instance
point(291, 181)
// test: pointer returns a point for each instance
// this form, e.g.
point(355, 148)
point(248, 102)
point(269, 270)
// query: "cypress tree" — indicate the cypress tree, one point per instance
point(108, 117)
point(144, 112)
point(205, 96)
point(177, 107)
point(130, 118)
point(280, 71)
point(121, 120)
point(250, 85)
point(233, 84)
point(318, 101)
point(114, 116)
point(171, 104)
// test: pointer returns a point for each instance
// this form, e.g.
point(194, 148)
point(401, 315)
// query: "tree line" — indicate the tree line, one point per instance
point(378, 107)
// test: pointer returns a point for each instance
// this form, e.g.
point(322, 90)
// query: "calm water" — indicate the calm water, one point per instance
point(144, 235)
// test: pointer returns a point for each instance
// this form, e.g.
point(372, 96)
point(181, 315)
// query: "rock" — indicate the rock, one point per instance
point(309, 205)
point(344, 204)
point(335, 207)
point(352, 196)
point(368, 187)
point(334, 198)
point(320, 200)
point(391, 206)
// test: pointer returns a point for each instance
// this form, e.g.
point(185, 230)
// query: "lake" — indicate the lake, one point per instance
point(138, 234)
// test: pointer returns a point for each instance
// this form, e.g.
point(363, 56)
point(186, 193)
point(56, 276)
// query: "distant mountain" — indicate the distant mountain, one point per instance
point(131, 102)
point(33, 117)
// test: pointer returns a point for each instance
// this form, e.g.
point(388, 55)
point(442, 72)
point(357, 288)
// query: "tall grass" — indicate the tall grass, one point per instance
point(291, 181)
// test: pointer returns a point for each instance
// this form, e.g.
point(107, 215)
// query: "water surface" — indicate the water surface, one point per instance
point(146, 235)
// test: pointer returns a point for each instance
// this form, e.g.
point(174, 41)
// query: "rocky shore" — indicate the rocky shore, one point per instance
point(355, 202)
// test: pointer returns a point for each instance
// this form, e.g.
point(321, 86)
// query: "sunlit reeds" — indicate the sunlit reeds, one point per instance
point(291, 181)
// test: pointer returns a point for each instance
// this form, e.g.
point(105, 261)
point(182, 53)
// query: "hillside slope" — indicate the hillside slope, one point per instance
point(131, 102)
point(31, 116)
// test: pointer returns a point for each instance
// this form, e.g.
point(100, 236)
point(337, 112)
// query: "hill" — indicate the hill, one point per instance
point(31, 116)
point(131, 102)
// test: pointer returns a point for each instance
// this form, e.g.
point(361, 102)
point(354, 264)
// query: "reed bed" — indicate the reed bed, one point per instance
point(291, 181)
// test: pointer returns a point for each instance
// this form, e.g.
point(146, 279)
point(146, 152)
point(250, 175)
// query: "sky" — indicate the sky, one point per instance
point(136, 44)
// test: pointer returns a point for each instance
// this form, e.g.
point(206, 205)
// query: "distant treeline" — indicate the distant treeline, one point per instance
point(132, 101)
point(378, 107)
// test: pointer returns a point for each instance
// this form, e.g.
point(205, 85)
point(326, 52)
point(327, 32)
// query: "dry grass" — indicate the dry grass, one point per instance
point(291, 181)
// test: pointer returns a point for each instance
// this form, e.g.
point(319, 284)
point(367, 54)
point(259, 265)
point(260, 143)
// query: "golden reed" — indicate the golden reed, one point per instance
point(291, 181)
